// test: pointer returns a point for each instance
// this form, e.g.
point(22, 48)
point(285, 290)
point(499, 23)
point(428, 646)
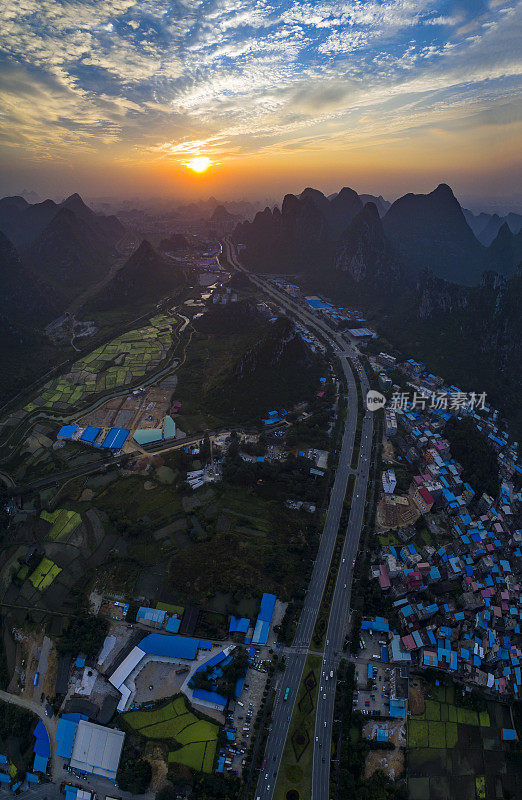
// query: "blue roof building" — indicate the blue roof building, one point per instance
point(90, 433)
point(239, 624)
point(67, 431)
point(159, 644)
point(264, 619)
point(115, 439)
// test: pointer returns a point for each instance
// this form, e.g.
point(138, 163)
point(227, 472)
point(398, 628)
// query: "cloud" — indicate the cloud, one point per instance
point(170, 78)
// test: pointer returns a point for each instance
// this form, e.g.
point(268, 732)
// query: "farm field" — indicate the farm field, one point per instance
point(63, 522)
point(197, 737)
point(111, 366)
point(44, 574)
point(454, 750)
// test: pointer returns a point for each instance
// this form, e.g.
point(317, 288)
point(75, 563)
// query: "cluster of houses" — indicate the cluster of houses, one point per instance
point(457, 600)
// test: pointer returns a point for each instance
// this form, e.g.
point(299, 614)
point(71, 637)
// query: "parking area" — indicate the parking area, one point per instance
point(240, 721)
point(375, 679)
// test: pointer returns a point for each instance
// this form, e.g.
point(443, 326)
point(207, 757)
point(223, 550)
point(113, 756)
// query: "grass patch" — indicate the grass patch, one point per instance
point(452, 734)
point(432, 710)
point(467, 717)
point(436, 734)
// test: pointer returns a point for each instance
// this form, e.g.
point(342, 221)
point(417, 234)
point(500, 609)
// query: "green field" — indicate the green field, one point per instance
point(173, 721)
point(44, 574)
point(63, 523)
point(456, 751)
point(110, 366)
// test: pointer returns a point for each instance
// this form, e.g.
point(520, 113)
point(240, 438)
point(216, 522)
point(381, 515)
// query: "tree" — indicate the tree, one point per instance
point(134, 775)
point(83, 634)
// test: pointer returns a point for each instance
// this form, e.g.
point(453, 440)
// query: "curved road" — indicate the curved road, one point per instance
point(339, 612)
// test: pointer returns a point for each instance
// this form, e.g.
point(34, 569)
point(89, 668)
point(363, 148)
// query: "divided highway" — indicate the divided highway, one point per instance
point(338, 620)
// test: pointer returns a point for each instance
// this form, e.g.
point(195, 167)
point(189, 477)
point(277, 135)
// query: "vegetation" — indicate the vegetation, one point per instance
point(134, 772)
point(16, 731)
point(478, 458)
point(195, 737)
point(84, 633)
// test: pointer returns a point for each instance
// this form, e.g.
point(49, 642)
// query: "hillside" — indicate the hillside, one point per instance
point(429, 231)
point(470, 335)
point(276, 371)
point(145, 278)
point(69, 255)
point(26, 300)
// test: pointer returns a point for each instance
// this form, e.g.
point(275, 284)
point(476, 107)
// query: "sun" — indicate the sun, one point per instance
point(199, 164)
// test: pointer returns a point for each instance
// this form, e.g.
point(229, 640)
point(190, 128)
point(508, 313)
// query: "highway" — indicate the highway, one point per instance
point(338, 619)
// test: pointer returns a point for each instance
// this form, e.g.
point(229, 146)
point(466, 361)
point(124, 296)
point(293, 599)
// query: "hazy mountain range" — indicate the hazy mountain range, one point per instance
point(424, 231)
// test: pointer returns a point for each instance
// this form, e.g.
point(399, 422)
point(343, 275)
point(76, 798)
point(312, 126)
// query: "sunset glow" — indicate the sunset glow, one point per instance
point(381, 94)
point(199, 164)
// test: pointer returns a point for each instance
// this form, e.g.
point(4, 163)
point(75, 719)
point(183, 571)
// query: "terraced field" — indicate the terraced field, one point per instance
point(197, 737)
point(111, 366)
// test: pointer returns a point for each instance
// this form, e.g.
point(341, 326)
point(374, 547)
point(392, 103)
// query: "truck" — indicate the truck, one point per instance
point(287, 692)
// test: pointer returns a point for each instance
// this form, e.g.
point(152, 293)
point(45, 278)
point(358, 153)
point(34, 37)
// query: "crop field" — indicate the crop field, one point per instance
point(111, 366)
point(457, 751)
point(63, 523)
point(197, 737)
point(44, 574)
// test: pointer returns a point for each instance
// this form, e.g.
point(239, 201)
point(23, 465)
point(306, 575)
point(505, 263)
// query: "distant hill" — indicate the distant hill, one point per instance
point(470, 335)
point(69, 254)
point(23, 223)
point(505, 251)
point(381, 204)
point(25, 300)
point(174, 243)
point(145, 278)
point(67, 246)
point(486, 226)
point(429, 231)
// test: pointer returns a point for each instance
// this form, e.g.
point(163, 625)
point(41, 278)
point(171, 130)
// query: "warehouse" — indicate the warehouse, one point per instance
point(96, 749)
point(264, 619)
point(115, 438)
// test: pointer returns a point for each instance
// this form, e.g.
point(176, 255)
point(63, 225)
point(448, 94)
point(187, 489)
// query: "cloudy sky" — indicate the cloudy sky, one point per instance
point(115, 96)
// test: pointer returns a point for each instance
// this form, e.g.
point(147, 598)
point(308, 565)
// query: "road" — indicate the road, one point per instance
point(338, 619)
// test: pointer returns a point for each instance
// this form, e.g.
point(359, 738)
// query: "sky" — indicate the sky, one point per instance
point(113, 97)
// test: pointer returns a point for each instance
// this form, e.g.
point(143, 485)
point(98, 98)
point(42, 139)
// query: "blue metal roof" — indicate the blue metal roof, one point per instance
point(173, 624)
point(261, 632)
point(65, 734)
point(42, 746)
point(239, 624)
point(159, 644)
point(267, 607)
point(90, 433)
point(115, 438)
point(66, 431)
point(40, 763)
point(155, 615)
point(209, 697)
